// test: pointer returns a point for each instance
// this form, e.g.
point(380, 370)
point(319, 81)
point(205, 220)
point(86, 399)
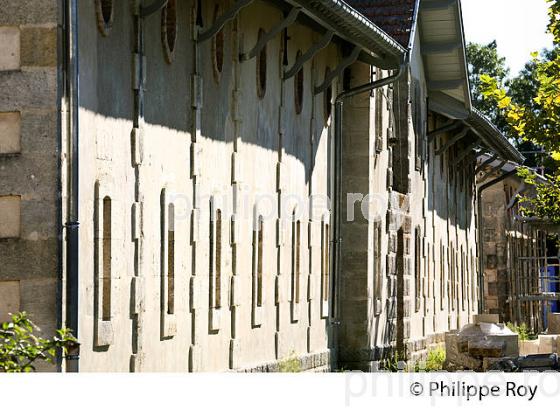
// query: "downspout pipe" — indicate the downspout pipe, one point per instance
point(72, 224)
point(337, 194)
point(480, 234)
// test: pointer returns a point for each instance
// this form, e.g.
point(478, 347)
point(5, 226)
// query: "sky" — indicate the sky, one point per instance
point(518, 26)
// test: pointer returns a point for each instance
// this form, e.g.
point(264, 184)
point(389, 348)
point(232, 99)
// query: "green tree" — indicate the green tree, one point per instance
point(20, 349)
point(536, 119)
point(485, 60)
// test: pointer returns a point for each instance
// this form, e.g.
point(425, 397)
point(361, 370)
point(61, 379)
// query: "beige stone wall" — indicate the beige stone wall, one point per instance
point(415, 194)
point(226, 150)
point(29, 161)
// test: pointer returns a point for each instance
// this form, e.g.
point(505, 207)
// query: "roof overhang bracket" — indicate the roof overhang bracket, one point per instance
point(483, 165)
point(222, 20)
point(269, 35)
point(309, 54)
point(156, 6)
point(453, 140)
point(351, 59)
point(448, 126)
point(466, 151)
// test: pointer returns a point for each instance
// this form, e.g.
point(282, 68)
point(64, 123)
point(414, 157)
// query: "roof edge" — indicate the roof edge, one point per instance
point(352, 26)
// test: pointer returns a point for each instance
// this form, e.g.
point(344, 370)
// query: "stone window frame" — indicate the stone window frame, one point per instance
point(299, 87)
point(103, 262)
point(261, 75)
point(257, 274)
point(325, 264)
point(167, 297)
point(218, 48)
point(216, 265)
point(105, 13)
point(295, 266)
point(169, 30)
point(419, 122)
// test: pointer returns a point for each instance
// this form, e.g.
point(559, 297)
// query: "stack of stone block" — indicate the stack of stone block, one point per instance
point(479, 345)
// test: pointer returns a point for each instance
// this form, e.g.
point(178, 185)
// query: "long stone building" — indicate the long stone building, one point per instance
point(199, 185)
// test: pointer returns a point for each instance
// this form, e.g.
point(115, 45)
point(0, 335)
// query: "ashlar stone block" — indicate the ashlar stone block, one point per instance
point(10, 132)
point(10, 46)
point(10, 216)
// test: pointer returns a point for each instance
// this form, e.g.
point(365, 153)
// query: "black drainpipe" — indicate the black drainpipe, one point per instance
point(481, 236)
point(337, 204)
point(72, 224)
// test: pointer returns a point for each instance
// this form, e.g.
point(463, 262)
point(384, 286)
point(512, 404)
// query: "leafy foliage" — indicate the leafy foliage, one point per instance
point(484, 59)
point(434, 361)
point(290, 364)
point(20, 349)
point(534, 115)
point(522, 330)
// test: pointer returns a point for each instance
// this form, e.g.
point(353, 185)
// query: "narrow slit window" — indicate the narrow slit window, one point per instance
point(441, 275)
point(258, 263)
point(417, 265)
point(171, 259)
point(296, 243)
point(325, 265)
point(107, 256)
point(378, 277)
point(216, 259)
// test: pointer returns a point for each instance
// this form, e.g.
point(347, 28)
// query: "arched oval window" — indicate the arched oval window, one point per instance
point(328, 98)
point(261, 69)
point(218, 48)
point(298, 87)
point(169, 30)
point(104, 12)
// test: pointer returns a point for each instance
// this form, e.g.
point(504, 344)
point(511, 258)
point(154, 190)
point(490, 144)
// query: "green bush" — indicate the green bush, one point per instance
point(290, 365)
point(434, 360)
point(522, 330)
point(20, 349)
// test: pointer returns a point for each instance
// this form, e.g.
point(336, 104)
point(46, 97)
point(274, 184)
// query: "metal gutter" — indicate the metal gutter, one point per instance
point(493, 137)
point(72, 224)
point(353, 27)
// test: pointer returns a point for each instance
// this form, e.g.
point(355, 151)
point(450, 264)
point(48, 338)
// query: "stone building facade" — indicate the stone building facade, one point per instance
point(178, 179)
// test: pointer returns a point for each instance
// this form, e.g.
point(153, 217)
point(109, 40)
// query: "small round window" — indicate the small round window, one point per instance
point(298, 87)
point(169, 29)
point(261, 69)
point(328, 97)
point(218, 48)
point(104, 11)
